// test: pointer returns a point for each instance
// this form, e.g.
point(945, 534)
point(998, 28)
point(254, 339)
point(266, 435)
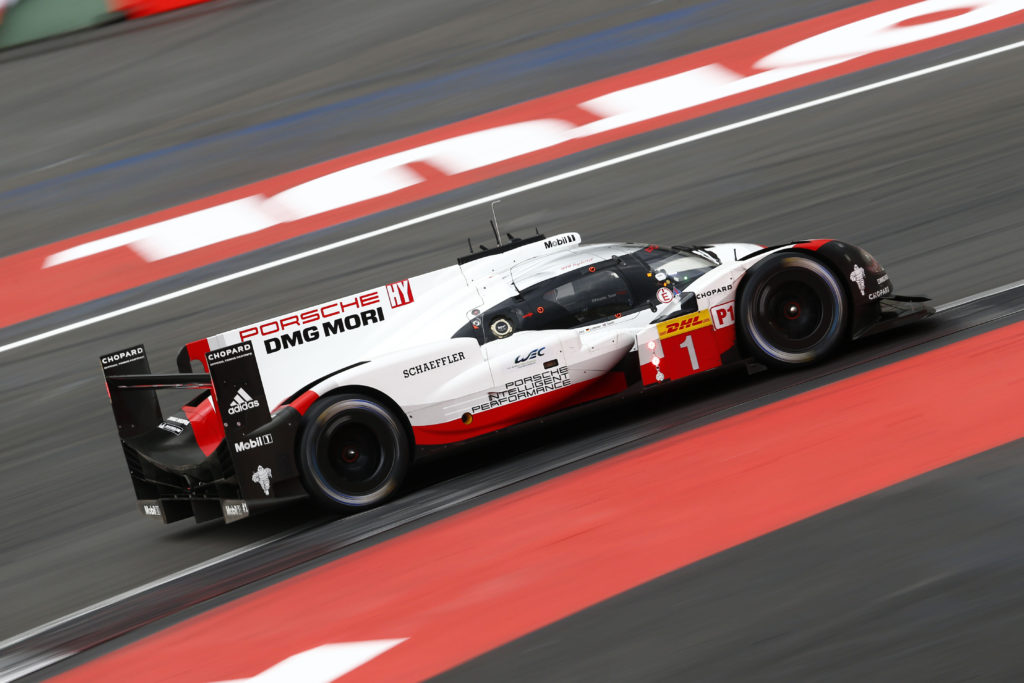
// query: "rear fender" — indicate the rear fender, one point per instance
point(369, 392)
point(419, 384)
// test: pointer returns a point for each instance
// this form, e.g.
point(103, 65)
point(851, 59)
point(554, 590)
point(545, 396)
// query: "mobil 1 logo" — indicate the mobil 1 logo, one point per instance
point(241, 400)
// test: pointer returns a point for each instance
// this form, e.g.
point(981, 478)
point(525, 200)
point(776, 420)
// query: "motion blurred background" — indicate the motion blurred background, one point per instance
point(115, 109)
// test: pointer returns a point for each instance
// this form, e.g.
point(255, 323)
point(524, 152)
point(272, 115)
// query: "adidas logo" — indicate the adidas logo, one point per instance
point(242, 402)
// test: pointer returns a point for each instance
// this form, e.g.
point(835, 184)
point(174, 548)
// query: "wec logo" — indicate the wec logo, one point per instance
point(536, 353)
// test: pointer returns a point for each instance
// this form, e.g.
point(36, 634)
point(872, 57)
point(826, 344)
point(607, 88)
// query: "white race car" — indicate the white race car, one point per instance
point(334, 400)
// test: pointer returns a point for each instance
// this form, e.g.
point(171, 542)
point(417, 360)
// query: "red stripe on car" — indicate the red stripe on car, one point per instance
point(500, 417)
point(206, 425)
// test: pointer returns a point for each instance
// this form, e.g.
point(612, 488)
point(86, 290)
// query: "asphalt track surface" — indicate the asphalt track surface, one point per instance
point(926, 175)
point(916, 582)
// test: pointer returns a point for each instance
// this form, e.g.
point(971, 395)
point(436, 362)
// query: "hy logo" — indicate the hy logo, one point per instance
point(536, 353)
point(242, 402)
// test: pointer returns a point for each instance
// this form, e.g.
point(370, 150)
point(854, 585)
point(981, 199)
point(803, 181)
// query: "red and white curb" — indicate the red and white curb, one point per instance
point(178, 239)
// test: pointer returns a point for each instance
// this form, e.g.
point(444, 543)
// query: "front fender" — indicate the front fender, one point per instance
point(864, 278)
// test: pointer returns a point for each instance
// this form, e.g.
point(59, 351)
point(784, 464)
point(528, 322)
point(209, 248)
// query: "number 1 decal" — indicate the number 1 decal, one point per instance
point(688, 345)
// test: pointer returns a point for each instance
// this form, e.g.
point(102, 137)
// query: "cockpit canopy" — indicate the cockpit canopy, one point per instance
point(587, 286)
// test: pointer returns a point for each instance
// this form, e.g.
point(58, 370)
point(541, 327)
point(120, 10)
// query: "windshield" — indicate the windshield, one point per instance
point(680, 267)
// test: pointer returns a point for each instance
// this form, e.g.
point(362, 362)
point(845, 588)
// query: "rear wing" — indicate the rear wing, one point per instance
point(234, 379)
point(128, 370)
point(249, 438)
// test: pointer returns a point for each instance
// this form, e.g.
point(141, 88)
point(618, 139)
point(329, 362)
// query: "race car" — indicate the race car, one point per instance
point(334, 400)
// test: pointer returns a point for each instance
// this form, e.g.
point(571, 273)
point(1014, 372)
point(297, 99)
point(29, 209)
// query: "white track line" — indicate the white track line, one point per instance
point(980, 295)
point(12, 672)
point(156, 583)
point(508, 193)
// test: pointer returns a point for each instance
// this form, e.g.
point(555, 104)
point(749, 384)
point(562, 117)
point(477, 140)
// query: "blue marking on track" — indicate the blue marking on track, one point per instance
point(606, 44)
point(626, 47)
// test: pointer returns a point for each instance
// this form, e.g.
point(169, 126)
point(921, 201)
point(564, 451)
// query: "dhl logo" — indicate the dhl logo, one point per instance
point(686, 323)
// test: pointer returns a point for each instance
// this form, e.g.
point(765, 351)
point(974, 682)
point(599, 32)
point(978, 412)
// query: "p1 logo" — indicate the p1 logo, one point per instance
point(723, 315)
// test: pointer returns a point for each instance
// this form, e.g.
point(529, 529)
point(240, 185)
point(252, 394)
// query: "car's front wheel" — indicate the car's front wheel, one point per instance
point(793, 311)
point(353, 453)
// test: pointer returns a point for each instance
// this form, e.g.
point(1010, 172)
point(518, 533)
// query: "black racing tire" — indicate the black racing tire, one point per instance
point(354, 452)
point(793, 311)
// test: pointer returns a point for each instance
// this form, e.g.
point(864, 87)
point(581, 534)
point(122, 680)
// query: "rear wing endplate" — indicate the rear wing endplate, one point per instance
point(141, 412)
point(242, 404)
point(237, 388)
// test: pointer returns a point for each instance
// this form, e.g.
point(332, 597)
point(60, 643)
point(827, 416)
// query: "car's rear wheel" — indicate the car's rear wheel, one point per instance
point(793, 311)
point(354, 452)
